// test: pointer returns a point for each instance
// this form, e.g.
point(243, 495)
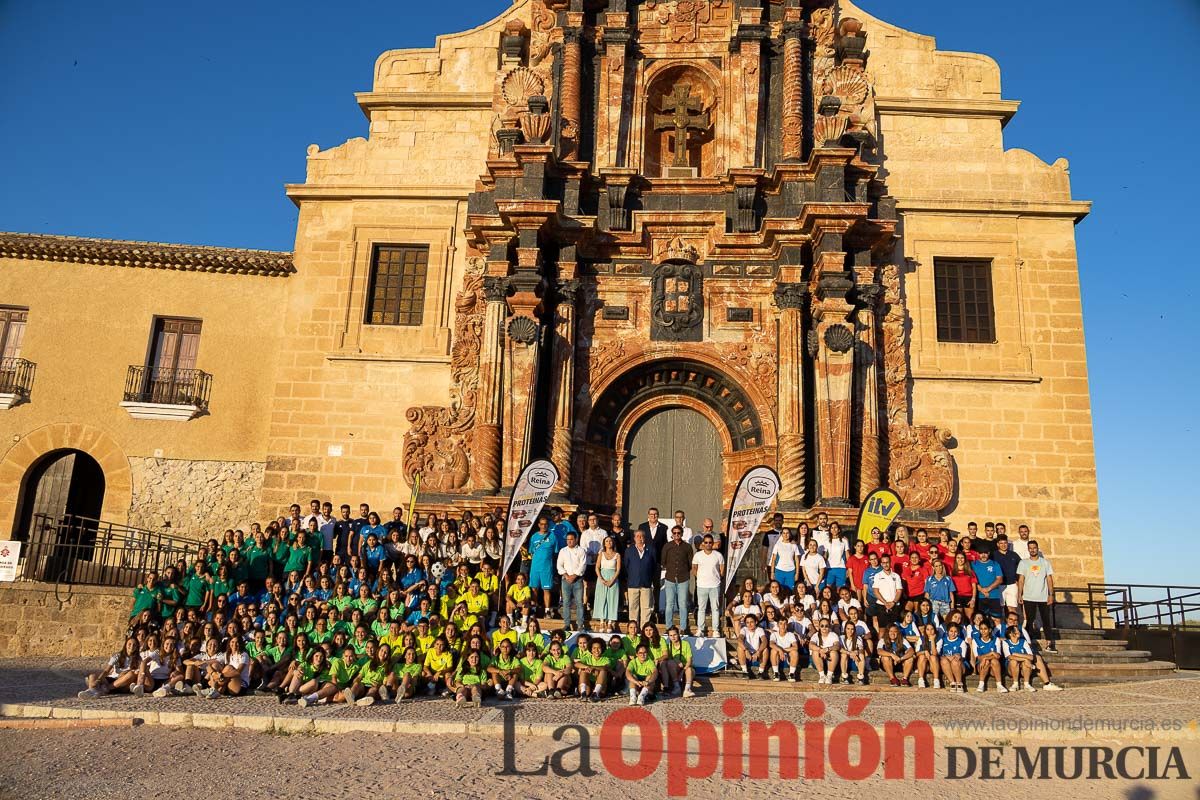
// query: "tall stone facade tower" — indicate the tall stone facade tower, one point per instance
point(667, 240)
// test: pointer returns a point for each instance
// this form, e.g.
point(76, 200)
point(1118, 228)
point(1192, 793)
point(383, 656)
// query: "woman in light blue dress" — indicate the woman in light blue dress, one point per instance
point(606, 604)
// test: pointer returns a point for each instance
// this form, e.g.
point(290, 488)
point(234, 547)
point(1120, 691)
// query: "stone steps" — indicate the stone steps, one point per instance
point(1098, 657)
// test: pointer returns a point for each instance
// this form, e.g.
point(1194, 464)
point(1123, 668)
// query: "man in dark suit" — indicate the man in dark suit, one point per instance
point(656, 533)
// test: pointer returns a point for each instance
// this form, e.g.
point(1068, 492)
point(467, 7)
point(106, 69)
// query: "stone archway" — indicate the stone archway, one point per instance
point(742, 427)
point(96, 443)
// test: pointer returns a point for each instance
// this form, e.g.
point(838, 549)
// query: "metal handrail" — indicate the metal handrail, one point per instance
point(16, 376)
point(83, 550)
point(180, 387)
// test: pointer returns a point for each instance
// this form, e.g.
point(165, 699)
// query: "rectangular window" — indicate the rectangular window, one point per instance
point(963, 290)
point(396, 295)
point(171, 371)
point(12, 331)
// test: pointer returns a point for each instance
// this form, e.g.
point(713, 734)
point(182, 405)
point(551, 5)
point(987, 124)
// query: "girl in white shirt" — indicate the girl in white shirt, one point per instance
point(926, 648)
point(785, 559)
point(785, 645)
point(752, 646)
point(746, 608)
point(813, 565)
point(823, 648)
point(854, 649)
point(771, 620)
point(775, 596)
point(118, 675)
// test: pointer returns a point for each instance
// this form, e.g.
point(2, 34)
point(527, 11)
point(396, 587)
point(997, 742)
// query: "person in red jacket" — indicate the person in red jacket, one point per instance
point(964, 584)
point(856, 565)
point(878, 545)
point(913, 572)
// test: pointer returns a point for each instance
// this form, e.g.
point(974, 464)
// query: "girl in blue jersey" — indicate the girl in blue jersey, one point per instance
point(927, 656)
point(952, 652)
point(1018, 656)
point(985, 656)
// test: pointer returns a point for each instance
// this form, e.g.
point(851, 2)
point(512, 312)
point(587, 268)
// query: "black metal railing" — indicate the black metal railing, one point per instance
point(82, 550)
point(177, 387)
point(1162, 619)
point(16, 376)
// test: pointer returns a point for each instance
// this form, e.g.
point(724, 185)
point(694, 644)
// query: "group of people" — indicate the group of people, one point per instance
point(316, 610)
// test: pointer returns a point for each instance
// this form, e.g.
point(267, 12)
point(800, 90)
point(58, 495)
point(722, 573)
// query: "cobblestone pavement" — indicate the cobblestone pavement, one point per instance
point(157, 760)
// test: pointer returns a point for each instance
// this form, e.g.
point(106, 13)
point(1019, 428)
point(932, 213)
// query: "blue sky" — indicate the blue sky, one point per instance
point(181, 122)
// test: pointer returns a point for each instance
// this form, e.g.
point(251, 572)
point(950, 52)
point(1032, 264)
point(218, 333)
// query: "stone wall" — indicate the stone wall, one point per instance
point(42, 619)
point(200, 499)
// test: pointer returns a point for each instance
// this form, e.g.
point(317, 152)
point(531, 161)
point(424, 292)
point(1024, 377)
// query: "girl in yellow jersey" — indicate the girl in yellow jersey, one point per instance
point(406, 675)
point(371, 681)
point(532, 636)
point(679, 663)
point(502, 634)
point(438, 669)
point(519, 594)
point(469, 680)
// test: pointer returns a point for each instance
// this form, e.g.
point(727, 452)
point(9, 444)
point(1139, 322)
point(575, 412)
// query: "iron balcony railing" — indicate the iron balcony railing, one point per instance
point(16, 376)
point(82, 550)
point(176, 387)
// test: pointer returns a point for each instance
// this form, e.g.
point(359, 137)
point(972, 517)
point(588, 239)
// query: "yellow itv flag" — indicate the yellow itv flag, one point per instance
point(879, 510)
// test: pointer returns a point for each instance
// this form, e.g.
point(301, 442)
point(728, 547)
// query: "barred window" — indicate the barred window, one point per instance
point(397, 292)
point(963, 290)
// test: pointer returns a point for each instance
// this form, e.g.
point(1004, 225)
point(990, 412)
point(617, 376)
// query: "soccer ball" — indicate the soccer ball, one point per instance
point(437, 570)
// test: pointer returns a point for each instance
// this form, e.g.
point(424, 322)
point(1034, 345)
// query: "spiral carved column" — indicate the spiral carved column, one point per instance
point(793, 92)
point(869, 477)
point(790, 298)
point(571, 104)
point(564, 385)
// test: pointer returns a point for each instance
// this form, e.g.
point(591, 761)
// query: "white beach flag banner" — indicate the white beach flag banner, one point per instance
point(529, 495)
point(754, 497)
point(10, 558)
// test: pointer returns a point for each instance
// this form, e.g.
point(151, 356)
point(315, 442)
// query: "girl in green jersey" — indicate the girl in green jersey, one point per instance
point(557, 670)
point(469, 680)
point(406, 675)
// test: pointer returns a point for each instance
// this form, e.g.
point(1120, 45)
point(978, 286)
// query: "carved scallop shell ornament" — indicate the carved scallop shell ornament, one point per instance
point(520, 85)
point(523, 329)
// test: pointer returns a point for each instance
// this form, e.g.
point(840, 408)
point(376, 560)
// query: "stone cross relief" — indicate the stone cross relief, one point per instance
point(682, 113)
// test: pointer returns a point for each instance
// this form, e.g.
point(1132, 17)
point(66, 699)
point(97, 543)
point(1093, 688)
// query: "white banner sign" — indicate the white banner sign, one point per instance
point(754, 497)
point(10, 555)
point(528, 497)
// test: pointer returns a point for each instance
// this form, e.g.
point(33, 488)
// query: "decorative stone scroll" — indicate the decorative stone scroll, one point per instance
point(438, 445)
point(843, 90)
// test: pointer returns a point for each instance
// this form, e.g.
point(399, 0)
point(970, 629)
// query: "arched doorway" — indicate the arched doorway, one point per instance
point(60, 483)
point(674, 462)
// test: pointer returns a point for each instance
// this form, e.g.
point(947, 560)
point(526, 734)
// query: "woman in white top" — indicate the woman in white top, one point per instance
point(800, 625)
point(771, 620)
point(823, 648)
point(785, 645)
point(472, 552)
point(752, 646)
point(813, 565)
point(785, 560)
point(854, 649)
point(745, 608)
point(835, 556)
point(775, 597)
point(118, 675)
point(228, 673)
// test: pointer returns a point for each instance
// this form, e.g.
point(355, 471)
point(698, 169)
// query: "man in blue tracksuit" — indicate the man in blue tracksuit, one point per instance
point(543, 547)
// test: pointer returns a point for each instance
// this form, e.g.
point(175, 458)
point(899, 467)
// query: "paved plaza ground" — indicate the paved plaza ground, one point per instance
point(263, 745)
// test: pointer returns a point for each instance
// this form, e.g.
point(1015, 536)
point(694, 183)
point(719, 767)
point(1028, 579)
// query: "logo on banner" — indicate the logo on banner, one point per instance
point(879, 510)
point(529, 496)
point(755, 494)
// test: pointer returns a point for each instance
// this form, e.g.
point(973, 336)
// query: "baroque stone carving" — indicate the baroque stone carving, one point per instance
point(521, 84)
point(438, 444)
point(849, 81)
point(684, 17)
point(839, 338)
point(523, 329)
point(922, 471)
point(603, 356)
point(677, 305)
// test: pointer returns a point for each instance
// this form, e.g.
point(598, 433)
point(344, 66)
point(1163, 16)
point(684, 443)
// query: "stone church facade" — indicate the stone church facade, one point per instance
point(787, 218)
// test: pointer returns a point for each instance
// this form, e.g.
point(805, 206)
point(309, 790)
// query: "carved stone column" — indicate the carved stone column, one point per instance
point(522, 350)
point(571, 76)
point(790, 298)
point(793, 86)
point(485, 469)
point(564, 384)
point(832, 345)
point(867, 380)
point(610, 107)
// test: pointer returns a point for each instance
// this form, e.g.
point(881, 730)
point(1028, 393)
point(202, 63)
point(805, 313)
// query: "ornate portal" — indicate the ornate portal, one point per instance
point(676, 181)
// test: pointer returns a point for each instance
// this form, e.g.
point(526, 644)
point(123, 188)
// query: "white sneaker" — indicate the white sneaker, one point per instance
point(1001, 688)
point(962, 688)
point(937, 683)
point(365, 701)
point(862, 680)
point(212, 694)
point(88, 694)
point(633, 697)
point(197, 690)
point(303, 702)
point(161, 692)
point(137, 690)
point(508, 694)
point(180, 687)
point(1029, 686)
point(688, 692)
point(980, 689)
point(1050, 687)
point(920, 683)
point(384, 694)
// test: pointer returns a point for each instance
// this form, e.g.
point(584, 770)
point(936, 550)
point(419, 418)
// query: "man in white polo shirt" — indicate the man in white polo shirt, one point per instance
point(887, 586)
point(708, 570)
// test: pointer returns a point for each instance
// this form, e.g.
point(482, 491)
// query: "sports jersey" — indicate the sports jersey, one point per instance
point(558, 663)
point(952, 647)
point(681, 652)
point(984, 648)
point(469, 677)
point(538, 639)
point(531, 670)
point(476, 603)
point(640, 669)
point(308, 672)
point(411, 670)
point(499, 636)
point(372, 674)
point(343, 674)
point(437, 662)
point(1009, 648)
